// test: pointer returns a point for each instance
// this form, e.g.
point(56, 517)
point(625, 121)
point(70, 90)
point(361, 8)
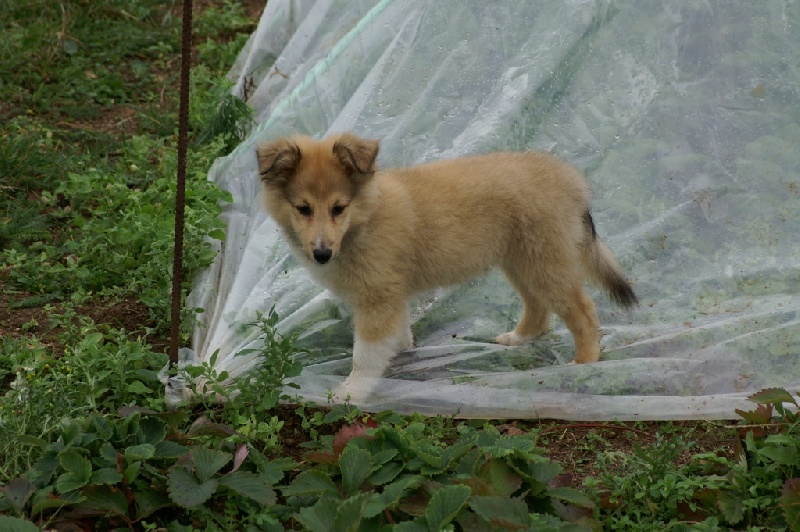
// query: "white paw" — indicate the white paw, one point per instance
point(512, 338)
point(355, 389)
point(405, 341)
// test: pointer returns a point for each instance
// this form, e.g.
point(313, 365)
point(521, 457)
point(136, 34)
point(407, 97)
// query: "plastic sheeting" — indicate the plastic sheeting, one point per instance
point(685, 117)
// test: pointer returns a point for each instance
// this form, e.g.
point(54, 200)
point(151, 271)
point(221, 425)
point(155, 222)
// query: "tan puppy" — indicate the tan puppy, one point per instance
point(378, 237)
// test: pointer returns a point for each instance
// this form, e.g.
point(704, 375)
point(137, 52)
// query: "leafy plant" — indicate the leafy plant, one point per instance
point(768, 471)
point(278, 361)
point(125, 470)
point(388, 475)
point(647, 486)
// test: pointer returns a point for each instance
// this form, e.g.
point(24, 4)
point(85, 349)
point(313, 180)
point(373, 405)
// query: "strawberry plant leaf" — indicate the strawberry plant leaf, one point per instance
point(420, 524)
point(318, 517)
point(347, 433)
point(760, 416)
point(386, 473)
point(132, 471)
point(46, 503)
point(311, 482)
point(445, 504)
point(249, 485)
point(790, 502)
point(350, 513)
point(153, 431)
point(17, 492)
point(773, 396)
point(571, 496)
point(149, 502)
point(500, 477)
point(392, 493)
point(207, 462)
point(144, 451)
point(16, 524)
point(79, 471)
point(103, 500)
point(731, 507)
point(169, 449)
point(186, 490)
point(106, 475)
point(73, 462)
point(356, 466)
point(502, 512)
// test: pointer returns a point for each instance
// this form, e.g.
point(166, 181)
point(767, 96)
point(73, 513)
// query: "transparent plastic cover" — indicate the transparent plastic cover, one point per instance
point(685, 118)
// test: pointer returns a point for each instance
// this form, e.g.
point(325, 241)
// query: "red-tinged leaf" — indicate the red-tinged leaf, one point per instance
point(239, 456)
point(414, 505)
point(503, 480)
point(605, 501)
point(103, 500)
point(347, 433)
point(17, 492)
point(478, 486)
point(502, 512)
point(760, 416)
point(790, 502)
point(731, 507)
point(773, 396)
point(321, 457)
point(203, 426)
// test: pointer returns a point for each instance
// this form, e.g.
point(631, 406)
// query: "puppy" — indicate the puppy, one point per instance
point(378, 237)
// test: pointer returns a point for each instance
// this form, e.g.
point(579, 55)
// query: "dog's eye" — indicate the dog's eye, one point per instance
point(305, 210)
point(337, 210)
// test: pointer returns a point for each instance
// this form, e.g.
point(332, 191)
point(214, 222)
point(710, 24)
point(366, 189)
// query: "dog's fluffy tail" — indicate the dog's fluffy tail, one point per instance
point(603, 268)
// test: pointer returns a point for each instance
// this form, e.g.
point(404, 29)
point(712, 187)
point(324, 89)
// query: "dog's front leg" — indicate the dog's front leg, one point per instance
point(381, 330)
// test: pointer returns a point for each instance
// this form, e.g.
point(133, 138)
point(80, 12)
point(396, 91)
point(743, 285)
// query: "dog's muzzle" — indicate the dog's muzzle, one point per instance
point(322, 255)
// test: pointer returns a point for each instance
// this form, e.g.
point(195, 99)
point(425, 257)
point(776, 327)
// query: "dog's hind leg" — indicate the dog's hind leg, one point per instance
point(578, 313)
point(534, 315)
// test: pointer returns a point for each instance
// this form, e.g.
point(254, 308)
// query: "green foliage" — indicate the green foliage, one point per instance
point(277, 361)
point(100, 371)
point(393, 474)
point(648, 490)
point(117, 228)
point(123, 470)
point(111, 198)
point(259, 389)
point(219, 22)
point(765, 482)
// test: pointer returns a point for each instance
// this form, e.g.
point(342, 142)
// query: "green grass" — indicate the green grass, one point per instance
point(88, 118)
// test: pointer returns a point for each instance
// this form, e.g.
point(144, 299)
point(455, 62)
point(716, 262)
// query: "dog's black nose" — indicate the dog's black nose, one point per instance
point(322, 255)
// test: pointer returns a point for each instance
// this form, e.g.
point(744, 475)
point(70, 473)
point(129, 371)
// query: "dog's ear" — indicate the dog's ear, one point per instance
point(357, 155)
point(277, 160)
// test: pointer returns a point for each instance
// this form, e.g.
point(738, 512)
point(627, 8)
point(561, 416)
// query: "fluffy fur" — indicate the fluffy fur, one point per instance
point(377, 237)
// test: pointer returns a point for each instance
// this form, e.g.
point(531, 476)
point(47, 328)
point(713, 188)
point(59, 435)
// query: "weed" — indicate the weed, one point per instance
point(278, 361)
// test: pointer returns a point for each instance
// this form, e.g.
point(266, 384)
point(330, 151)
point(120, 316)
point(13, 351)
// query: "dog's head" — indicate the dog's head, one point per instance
point(318, 189)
